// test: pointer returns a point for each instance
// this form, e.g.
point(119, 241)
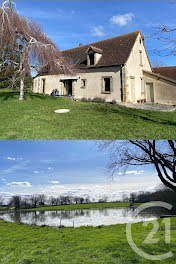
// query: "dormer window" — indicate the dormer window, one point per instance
point(93, 55)
point(91, 59)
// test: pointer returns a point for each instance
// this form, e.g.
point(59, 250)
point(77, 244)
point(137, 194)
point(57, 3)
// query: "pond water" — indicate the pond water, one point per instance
point(83, 217)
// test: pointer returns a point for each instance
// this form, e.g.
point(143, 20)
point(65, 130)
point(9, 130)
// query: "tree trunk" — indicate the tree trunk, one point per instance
point(21, 98)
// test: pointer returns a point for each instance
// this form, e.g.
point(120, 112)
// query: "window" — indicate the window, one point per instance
point(74, 61)
point(140, 57)
point(83, 83)
point(142, 86)
point(43, 85)
point(91, 59)
point(107, 85)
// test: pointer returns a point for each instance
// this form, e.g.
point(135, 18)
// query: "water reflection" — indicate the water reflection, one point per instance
point(82, 217)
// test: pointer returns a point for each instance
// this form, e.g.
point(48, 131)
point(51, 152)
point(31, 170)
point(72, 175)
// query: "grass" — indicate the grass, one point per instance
point(23, 244)
point(3, 208)
point(34, 118)
point(79, 206)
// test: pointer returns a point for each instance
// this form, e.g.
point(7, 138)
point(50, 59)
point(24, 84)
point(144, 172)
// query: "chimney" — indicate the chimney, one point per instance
point(80, 44)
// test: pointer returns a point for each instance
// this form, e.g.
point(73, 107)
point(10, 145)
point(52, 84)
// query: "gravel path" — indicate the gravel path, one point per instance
point(155, 107)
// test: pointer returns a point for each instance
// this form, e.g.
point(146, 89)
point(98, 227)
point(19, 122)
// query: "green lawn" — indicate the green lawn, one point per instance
point(87, 245)
point(35, 119)
point(79, 206)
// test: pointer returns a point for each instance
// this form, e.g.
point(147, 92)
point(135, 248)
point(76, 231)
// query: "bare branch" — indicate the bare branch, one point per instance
point(161, 154)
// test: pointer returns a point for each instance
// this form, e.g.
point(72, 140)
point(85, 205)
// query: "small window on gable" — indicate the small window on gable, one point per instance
point(91, 59)
point(140, 41)
point(140, 57)
point(83, 83)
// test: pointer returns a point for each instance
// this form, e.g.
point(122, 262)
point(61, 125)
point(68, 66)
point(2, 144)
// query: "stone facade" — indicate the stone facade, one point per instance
point(127, 82)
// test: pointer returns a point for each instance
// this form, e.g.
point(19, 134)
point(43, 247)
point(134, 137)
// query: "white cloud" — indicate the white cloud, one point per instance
point(19, 166)
point(54, 182)
point(122, 20)
point(98, 31)
point(113, 190)
point(10, 158)
point(36, 172)
point(19, 184)
point(135, 172)
point(50, 168)
point(13, 158)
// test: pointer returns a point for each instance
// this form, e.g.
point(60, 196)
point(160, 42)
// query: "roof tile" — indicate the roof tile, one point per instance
point(115, 51)
point(169, 72)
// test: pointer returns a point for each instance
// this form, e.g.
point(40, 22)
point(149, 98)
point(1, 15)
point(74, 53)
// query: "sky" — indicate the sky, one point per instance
point(69, 23)
point(75, 168)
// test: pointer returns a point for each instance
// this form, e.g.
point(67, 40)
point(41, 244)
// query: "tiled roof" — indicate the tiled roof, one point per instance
point(169, 72)
point(115, 51)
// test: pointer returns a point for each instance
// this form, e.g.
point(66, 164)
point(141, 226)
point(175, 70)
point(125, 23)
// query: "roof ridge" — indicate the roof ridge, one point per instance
point(93, 43)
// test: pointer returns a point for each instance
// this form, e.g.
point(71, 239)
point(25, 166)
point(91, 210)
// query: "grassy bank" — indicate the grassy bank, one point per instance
point(79, 206)
point(28, 244)
point(35, 119)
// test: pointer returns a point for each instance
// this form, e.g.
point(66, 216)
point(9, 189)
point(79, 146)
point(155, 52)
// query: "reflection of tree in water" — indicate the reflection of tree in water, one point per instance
point(15, 217)
point(68, 214)
point(45, 217)
point(28, 217)
point(155, 211)
point(126, 212)
point(104, 212)
point(147, 213)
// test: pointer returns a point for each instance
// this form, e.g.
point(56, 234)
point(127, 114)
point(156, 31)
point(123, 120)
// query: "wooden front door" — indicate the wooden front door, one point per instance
point(69, 87)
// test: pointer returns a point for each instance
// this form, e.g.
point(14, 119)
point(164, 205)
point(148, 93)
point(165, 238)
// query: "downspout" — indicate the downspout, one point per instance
point(122, 83)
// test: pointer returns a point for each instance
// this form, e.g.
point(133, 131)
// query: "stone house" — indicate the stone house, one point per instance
point(116, 69)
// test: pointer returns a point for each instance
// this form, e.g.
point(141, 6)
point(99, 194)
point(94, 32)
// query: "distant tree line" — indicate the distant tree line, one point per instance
point(163, 194)
point(39, 200)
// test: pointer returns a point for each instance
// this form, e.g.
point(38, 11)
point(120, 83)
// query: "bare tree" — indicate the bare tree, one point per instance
point(158, 63)
point(167, 36)
point(76, 200)
point(81, 200)
point(160, 153)
point(87, 200)
point(34, 200)
point(52, 200)
point(15, 201)
point(37, 51)
point(41, 199)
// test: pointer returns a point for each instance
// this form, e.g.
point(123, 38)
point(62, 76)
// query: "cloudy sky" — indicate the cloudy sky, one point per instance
point(66, 168)
point(69, 23)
